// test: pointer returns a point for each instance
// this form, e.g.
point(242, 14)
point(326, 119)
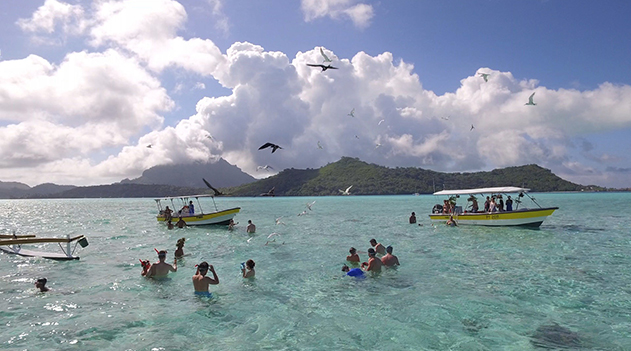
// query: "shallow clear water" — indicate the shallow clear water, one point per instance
point(465, 288)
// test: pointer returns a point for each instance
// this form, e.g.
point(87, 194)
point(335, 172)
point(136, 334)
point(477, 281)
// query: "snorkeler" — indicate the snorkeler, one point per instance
point(247, 269)
point(41, 284)
point(201, 281)
point(179, 252)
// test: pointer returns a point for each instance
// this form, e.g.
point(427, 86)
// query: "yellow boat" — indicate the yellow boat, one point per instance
point(198, 216)
point(520, 216)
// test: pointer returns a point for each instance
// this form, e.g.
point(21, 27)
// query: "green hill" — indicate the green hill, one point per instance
point(371, 179)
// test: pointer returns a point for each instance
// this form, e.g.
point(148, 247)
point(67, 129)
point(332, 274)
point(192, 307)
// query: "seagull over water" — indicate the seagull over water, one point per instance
point(319, 145)
point(309, 205)
point(352, 113)
point(530, 100)
point(273, 146)
point(324, 68)
point(347, 191)
point(485, 76)
point(279, 222)
point(326, 58)
point(472, 128)
point(302, 213)
point(383, 120)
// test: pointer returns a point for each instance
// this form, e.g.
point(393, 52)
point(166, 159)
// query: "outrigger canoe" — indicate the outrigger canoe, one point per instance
point(12, 244)
point(520, 216)
point(198, 217)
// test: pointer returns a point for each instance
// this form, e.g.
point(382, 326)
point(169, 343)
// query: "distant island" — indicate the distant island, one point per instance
point(365, 178)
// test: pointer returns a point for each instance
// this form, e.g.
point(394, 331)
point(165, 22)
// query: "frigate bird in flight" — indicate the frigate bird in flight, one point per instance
point(485, 76)
point(319, 145)
point(324, 68)
point(149, 146)
point(530, 100)
point(352, 113)
point(273, 146)
point(217, 192)
point(472, 128)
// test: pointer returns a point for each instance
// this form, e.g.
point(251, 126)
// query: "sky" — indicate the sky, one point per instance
point(93, 92)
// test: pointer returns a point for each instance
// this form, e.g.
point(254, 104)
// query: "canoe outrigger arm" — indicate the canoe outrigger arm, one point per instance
point(14, 246)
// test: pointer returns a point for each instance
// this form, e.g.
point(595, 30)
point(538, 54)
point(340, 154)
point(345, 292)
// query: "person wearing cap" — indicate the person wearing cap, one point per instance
point(389, 259)
point(353, 257)
point(201, 281)
point(413, 218)
point(374, 264)
point(160, 269)
point(41, 284)
point(380, 249)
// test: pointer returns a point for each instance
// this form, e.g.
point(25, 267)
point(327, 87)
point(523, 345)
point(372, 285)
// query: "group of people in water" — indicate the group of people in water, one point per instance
point(378, 257)
point(201, 282)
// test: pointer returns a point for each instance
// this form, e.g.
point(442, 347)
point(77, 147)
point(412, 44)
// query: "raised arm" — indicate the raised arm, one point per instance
point(174, 267)
point(214, 280)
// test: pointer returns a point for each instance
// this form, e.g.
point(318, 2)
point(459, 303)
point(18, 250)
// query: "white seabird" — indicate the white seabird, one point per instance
point(352, 113)
point(530, 100)
point(326, 58)
point(485, 76)
point(346, 192)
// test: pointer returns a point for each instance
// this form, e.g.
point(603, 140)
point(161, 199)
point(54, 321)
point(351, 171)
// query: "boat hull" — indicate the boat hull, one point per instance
point(522, 217)
point(219, 217)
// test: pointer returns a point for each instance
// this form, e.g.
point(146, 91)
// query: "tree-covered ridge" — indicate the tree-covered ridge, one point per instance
point(371, 179)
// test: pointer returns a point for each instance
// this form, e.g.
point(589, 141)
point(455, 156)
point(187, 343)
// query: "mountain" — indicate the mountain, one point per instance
point(13, 190)
point(371, 179)
point(220, 174)
point(124, 191)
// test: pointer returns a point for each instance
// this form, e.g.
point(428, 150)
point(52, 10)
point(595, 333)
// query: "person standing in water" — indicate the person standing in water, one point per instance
point(179, 252)
point(353, 257)
point(413, 218)
point(247, 269)
point(389, 259)
point(41, 284)
point(201, 281)
point(161, 269)
point(251, 228)
point(380, 249)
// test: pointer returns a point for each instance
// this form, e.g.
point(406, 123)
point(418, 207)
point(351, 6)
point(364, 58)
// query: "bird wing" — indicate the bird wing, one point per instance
point(326, 58)
point(531, 97)
point(217, 192)
point(266, 145)
point(331, 67)
point(349, 188)
point(312, 65)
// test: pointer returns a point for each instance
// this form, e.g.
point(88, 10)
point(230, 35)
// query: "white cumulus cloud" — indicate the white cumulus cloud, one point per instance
point(359, 13)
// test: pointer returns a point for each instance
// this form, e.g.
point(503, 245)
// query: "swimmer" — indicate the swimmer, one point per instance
point(169, 224)
point(251, 228)
point(179, 252)
point(452, 222)
point(373, 264)
point(249, 272)
point(380, 249)
point(355, 272)
point(41, 284)
point(353, 257)
point(389, 259)
point(413, 218)
point(231, 225)
point(161, 269)
point(201, 281)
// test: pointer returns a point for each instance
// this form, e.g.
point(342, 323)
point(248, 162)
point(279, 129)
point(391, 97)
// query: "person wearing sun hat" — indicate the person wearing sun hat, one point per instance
point(161, 269)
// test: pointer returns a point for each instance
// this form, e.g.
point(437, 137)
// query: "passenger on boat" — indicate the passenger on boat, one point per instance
point(446, 206)
point(180, 223)
point(191, 208)
point(167, 213)
point(509, 204)
point(492, 205)
point(500, 205)
point(487, 204)
point(413, 218)
point(380, 249)
point(452, 222)
point(389, 259)
point(353, 257)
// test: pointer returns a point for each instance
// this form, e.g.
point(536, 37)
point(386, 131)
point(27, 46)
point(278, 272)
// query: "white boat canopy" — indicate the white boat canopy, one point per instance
point(184, 197)
point(496, 190)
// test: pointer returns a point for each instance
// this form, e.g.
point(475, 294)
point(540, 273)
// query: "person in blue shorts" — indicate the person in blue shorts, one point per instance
point(355, 272)
point(201, 281)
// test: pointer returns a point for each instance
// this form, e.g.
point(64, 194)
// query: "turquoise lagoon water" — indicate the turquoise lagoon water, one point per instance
point(465, 288)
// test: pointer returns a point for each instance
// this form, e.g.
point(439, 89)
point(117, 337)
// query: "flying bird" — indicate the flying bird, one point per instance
point(326, 58)
point(356, 137)
point(217, 192)
point(380, 122)
point(273, 146)
point(269, 193)
point(149, 146)
point(309, 205)
point(485, 76)
point(278, 221)
point(347, 191)
point(377, 145)
point(266, 167)
point(530, 100)
point(352, 113)
point(209, 136)
point(324, 68)
point(302, 213)
point(270, 236)
point(472, 128)
point(445, 118)
point(319, 145)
